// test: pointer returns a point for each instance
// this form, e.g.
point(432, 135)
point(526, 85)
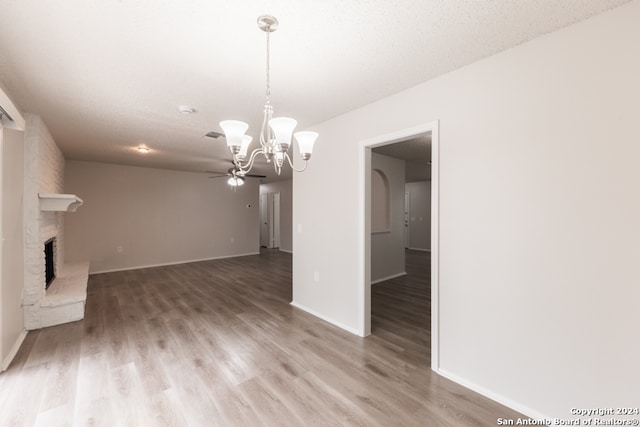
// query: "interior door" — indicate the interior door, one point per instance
point(406, 220)
point(275, 220)
point(264, 220)
point(270, 220)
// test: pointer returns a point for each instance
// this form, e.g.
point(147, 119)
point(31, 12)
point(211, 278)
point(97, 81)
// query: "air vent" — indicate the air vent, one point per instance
point(213, 134)
point(4, 113)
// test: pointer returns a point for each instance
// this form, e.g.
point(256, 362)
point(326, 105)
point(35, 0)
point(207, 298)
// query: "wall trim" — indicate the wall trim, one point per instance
point(114, 270)
point(384, 279)
point(325, 318)
point(14, 350)
point(286, 250)
point(509, 403)
point(419, 249)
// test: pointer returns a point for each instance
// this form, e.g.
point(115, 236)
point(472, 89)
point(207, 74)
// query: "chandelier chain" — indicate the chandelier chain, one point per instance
point(268, 70)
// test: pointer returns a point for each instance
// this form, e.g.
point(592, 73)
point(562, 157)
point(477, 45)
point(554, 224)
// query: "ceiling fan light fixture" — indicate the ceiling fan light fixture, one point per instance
point(143, 149)
point(234, 181)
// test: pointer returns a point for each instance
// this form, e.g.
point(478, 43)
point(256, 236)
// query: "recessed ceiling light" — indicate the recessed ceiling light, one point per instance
point(144, 150)
point(186, 110)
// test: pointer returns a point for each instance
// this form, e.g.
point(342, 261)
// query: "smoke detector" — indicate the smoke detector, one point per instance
point(186, 110)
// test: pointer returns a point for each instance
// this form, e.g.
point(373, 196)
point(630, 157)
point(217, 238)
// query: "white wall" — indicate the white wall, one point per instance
point(387, 247)
point(380, 205)
point(539, 213)
point(11, 317)
point(156, 216)
point(285, 189)
point(419, 214)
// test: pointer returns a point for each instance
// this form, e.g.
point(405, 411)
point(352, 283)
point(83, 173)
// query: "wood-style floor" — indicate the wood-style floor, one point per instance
point(216, 343)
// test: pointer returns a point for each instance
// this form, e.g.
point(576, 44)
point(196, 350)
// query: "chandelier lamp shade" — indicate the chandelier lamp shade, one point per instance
point(276, 133)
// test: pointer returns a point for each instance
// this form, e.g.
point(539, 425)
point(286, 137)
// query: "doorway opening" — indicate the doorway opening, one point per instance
point(390, 255)
point(270, 220)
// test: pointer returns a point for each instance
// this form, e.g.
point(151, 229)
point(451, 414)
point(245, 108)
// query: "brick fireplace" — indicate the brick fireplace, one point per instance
point(64, 300)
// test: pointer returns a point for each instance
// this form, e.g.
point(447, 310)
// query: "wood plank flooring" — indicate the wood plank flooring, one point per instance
point(216, 343)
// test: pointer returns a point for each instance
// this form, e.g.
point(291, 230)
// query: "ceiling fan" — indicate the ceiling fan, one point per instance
point(236, 176)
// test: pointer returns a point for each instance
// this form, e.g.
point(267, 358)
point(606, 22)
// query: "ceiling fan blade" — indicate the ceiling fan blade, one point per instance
point(219, 173)
point(238, 174)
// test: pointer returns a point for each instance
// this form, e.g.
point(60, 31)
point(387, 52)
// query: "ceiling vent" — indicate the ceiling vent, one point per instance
point(9, 114)
point(3, 113)
point(214, 134)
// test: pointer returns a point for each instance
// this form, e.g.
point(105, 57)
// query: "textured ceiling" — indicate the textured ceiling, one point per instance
point(107, 76)
point(414, 149)
point(417, 154)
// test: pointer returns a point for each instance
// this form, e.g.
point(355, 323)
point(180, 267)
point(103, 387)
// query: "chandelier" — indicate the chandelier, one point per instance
point(275, 134)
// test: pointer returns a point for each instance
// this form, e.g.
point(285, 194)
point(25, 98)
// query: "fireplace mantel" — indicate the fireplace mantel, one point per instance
point(59, 202)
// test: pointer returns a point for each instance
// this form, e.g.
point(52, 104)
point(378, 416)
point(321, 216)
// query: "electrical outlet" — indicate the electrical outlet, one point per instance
point(119, 249)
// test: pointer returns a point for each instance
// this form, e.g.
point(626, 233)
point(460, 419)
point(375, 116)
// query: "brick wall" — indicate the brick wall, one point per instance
point(43, 173)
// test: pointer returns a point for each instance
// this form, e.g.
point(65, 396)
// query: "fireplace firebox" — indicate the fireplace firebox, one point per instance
point(49, 262)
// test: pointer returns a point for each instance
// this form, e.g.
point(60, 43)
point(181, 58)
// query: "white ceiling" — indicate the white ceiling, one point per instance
point(107, 76)
point(416, 152)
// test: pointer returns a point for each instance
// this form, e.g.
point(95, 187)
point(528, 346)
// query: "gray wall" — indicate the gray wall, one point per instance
point(420, 214)
point(156, 216)
point(11, 282)
point(387, 247)
point(286, 224)
point(539, 208)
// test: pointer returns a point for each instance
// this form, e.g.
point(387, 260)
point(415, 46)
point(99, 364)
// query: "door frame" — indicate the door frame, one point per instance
point(364, 250)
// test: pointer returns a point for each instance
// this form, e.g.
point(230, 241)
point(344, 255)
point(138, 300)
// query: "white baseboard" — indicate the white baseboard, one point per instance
point(384, 279)
point(14, 350)
point(286, 250)
point(419, 249)
point(171, 263)
point(516, 406)
point(325, 318)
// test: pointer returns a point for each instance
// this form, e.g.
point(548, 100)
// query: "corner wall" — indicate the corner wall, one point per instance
point(135, 217)
point(539, 208)
point(387, 247)
point(12, 330)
